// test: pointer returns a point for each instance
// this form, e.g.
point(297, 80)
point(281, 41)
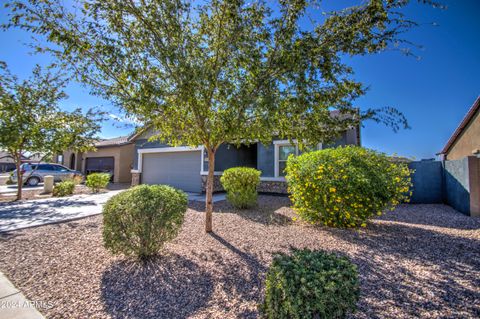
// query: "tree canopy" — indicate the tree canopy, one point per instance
point(210, 72)
point(31, 121)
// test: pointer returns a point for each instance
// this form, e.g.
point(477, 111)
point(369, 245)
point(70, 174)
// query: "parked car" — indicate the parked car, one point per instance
point(34, 173)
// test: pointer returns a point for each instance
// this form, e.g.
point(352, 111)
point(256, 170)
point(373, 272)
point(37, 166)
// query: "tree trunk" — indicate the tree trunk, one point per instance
point(18, 162)
point(209, 190)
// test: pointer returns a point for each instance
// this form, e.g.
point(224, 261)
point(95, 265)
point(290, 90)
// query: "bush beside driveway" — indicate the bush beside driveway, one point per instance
point(418, 261)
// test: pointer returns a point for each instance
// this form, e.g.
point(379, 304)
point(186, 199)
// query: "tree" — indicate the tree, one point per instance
point(32, 123)
point(222, 71)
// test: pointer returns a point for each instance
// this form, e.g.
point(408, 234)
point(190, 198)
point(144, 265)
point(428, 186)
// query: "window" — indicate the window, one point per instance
point(59, 168)
point(60, 159)
point(283, 152)
point(283, 149)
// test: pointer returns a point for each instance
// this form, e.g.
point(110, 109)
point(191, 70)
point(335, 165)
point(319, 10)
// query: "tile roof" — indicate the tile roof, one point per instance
point(466, 120)
point(116, 141)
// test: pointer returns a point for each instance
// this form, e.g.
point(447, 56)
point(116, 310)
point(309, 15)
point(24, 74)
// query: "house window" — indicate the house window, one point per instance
point(60, 159)
point(283, 152)
point(283, 149)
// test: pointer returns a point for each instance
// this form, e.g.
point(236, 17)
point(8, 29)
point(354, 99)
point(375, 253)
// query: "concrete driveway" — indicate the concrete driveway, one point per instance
point(23, 214)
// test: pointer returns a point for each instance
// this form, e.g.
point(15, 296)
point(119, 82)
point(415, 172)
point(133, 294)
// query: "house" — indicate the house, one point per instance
point(186, 168)
point(114, 156)
point(465, 140)
point(7, 163)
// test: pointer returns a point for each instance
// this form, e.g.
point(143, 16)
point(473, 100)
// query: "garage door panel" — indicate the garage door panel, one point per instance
point(178, 169)
point(100, 165)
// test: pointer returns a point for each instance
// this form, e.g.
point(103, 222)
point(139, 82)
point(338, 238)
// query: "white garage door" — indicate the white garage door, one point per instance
point(178, 169)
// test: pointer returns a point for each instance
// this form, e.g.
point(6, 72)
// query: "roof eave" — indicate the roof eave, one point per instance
point(466, 120)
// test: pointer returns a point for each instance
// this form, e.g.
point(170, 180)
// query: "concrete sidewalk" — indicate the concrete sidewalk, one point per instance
point(14, 305)
point(29, 213)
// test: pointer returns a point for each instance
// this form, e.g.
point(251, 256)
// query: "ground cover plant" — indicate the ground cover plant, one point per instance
point(310, 284)
point(346, 186)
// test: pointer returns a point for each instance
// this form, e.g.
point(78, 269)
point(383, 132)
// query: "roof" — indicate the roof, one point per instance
point(458, 131)
point(116, 141)
point(6, 158)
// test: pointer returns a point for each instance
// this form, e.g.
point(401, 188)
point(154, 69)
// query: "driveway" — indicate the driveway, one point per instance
point(23, 214)
point(29, 213)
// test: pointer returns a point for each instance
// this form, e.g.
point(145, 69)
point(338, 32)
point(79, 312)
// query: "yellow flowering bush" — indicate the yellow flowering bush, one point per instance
point(345, 186)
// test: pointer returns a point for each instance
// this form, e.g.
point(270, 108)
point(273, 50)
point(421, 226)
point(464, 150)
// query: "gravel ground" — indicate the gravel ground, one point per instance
point(418, 261)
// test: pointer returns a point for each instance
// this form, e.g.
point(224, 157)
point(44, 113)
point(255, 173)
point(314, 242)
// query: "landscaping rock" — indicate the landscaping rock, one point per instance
point(418, 261)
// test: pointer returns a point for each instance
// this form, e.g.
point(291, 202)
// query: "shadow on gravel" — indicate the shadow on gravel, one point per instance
point(399, 254)
point(437, 215)
point(166, 287)
point(242, 278)
point(268, 212)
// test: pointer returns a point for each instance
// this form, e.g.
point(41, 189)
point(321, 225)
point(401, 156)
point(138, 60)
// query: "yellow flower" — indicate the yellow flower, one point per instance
point(364, 225)
point(333, 189)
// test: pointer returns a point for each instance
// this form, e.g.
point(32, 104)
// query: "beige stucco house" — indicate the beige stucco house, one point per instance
point(465, 141)
point(114, 156)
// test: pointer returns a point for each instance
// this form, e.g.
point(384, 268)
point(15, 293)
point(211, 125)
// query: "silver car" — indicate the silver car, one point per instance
point(34, 173)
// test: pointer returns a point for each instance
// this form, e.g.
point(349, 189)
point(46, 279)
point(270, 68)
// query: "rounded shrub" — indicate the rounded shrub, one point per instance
point(241, 183)
point(63, 188)
point(310, 284)
point(97, 181)
point(345, 186)
point(138, 221)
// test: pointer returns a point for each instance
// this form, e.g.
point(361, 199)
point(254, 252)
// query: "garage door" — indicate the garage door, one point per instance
point(100, 165)
point(178, 169)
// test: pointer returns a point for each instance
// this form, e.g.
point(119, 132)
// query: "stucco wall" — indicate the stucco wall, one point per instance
point(455, 182)
point(457, 185)
point(77, 163)
point(467, 142)
point(427, 182)
point(123, 157)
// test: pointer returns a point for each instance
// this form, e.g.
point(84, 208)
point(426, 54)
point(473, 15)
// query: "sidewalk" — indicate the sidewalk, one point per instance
point(14, 305)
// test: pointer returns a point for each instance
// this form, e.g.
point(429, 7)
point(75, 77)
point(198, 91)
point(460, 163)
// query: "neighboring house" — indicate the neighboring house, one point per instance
point(186, 168)
point(114, 156)
point(7, 164)
point(465, 141)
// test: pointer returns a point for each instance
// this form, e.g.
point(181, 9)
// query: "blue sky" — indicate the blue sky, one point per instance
point(433, 92)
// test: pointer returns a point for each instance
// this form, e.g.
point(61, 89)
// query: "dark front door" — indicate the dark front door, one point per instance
point(72, 161)
point(100, 165)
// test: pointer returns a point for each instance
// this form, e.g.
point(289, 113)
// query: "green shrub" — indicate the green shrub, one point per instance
point(138, 221)
point(97, 181)
point(241, 183)
point(345, 186)
point(310, 284)
point(63, 188)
